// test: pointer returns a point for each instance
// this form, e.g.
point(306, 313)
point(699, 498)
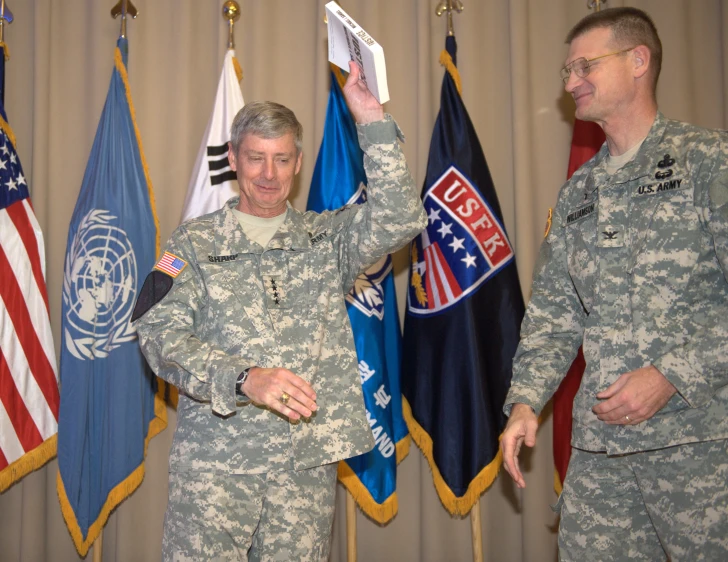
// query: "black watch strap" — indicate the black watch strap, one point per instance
point(242, 377)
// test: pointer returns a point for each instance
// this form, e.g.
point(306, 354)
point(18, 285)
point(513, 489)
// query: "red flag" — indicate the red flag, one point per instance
point(588, 138)
point(28, 375)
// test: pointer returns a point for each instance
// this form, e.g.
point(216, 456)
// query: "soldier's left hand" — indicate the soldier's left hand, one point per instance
point(634, 397)
point(363, 105)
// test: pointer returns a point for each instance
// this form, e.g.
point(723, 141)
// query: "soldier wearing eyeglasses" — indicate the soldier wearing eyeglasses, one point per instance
point(635, 269)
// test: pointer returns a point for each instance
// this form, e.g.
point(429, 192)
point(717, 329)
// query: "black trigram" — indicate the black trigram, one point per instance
point(220, 171)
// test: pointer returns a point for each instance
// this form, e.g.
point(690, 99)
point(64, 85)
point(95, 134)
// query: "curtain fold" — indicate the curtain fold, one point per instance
point(509, 56)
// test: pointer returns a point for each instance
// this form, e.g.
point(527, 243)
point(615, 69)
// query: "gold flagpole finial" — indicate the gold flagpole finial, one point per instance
point(5, 16)
point(231, 12)
point(124, 8)
point(595, 5)
point(449, 6)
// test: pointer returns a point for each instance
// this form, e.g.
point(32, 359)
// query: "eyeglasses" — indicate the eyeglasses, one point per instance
point(582, 66)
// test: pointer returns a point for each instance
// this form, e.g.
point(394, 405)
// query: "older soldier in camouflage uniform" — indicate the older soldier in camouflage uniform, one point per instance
point(245, 314)
point(634, 267)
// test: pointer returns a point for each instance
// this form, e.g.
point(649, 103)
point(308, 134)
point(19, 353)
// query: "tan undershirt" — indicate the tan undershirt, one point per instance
point(614, 163)
point(259, 229)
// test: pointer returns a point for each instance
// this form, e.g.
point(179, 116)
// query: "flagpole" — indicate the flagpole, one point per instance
point(448, 7)
point(5, 16)
point(595, 5)
point(231, 12)
point(122, 8)
point(350, 528)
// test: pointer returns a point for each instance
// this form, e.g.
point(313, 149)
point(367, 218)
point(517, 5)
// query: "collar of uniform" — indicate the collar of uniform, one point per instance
point(641, 165)
point(229, 235)
point(291, 234)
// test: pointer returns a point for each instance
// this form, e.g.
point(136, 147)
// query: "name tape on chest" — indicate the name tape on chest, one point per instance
point(581, 213)
point(222, 259)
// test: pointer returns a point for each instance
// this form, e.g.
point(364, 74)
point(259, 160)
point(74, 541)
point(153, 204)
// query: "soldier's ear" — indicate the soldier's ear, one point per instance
point(232, 158)
point(641, 58)
point(299, 159)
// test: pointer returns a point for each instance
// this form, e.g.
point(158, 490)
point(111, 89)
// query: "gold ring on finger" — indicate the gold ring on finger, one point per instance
point(285, 397)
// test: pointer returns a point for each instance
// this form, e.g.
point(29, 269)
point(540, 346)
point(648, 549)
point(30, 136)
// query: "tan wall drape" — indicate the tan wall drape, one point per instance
point(510, 52)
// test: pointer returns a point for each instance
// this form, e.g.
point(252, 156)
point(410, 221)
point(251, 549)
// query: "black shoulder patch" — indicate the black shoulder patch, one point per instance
point(155, 288)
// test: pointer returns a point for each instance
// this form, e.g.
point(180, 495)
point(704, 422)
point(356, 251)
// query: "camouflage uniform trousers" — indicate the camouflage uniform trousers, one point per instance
point(666, 504)
point(273, 517)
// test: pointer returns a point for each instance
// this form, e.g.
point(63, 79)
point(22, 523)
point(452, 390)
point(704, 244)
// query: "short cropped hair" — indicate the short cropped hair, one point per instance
point(630, 28)
point(268, 120)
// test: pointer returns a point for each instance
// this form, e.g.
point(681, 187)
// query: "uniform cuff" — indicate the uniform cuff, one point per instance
point(385, 131)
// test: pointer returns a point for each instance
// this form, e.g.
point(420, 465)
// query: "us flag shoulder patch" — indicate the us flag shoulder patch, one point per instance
point(171, 264)
point(463, 245)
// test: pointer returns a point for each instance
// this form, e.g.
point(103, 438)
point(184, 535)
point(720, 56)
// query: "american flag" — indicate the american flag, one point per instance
point(29, 397)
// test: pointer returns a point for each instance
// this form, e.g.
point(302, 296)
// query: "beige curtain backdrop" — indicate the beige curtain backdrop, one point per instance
point(509, 56)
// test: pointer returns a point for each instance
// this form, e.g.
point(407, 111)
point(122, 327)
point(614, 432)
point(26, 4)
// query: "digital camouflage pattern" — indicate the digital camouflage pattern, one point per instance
point(236, 305)
point(635, 265)
point(273, 517)
point(613, 508)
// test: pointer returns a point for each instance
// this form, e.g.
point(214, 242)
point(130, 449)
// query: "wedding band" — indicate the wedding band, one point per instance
point(285, 397)
point(626, 417)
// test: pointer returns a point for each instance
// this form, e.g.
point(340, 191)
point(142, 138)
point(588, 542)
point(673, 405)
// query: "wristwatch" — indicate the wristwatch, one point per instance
point(242, 377)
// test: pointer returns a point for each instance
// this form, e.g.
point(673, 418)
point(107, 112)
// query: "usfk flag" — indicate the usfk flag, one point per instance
point(464, 310)
point(339, 179)
point(213, 182)
point(111, 403)
point(28, 376)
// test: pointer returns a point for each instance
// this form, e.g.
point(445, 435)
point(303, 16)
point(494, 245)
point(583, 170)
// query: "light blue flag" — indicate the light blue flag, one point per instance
point(111, 403)
point(339, 179)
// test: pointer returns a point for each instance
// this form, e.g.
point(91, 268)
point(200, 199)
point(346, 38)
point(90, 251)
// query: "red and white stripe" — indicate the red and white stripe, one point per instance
point(440, 282)
point(29, 398)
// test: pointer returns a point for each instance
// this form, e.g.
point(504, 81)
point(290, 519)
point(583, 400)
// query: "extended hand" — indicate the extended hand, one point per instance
point(521, 429)
point(363, 105)
point(271, 386)
point(634, 397)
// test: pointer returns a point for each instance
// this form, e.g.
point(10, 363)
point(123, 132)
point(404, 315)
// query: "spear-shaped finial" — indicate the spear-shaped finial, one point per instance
point(124, 8)
point(449, 6)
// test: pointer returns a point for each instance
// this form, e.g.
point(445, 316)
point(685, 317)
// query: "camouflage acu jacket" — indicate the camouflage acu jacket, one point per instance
point(236, 305)
point(635, 267)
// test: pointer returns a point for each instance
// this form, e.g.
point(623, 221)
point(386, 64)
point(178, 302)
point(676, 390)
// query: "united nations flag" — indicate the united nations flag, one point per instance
point(111, 403)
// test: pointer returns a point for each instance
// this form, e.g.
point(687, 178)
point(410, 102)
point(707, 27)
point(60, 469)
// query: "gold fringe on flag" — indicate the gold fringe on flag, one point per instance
point(446, 61)
point(456, 505)
point(339, 76)
point(119, 63)
point(238, 69)
point(382, 513)
point(7, 49)
point(30, 461)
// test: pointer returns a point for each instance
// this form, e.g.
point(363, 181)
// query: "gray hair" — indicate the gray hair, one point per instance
point(268, 120)
point(630, 27)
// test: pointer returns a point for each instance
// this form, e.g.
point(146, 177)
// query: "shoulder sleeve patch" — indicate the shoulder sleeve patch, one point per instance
point(170, 264)
point(155, 288)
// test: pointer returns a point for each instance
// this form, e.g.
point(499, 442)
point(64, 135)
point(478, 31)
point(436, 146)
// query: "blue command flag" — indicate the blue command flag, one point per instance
point(111, 403)
point(464, 310)
point(339, 179)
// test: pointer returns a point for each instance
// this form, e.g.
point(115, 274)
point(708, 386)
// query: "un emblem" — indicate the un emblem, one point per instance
point(99, 288)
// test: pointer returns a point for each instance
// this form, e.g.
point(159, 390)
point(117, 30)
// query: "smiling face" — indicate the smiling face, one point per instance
point(609, 86)
point(266, 169)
